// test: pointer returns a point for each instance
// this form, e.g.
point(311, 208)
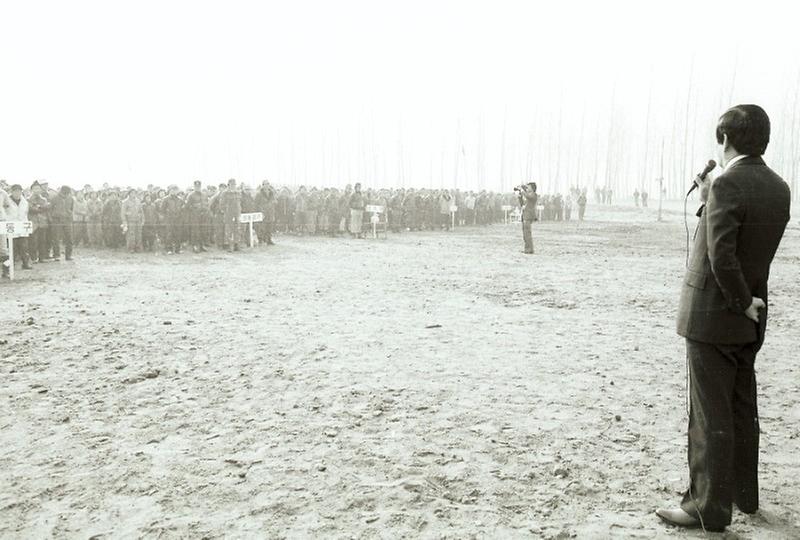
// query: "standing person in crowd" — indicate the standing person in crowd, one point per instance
point(16, 210)
point(61, 208)
point(445, 201)
point(300, 210)
point(149, 223)
point(528, 199)
point(132, 221)
point(208, 220)
point(357, 205)
point(582, 205)
point(636, 197)
point(266, 203)
point(312, 210)
point(80, 212)
point(38, 206)
point(5, 203)
point(644, 198)
point(248, 207)
point(217, 218)
point(197, 208)
point(94, 219)
point(112, 220)
point(231, 207)
point(283, 211)
point(171, 211)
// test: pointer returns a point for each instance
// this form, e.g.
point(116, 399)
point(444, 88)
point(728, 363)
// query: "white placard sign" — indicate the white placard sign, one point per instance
point(16, 229)
point(252, 217)
point(11, 230)
point(374, 209)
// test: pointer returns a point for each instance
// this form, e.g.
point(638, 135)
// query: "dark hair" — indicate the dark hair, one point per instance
point(747, 128)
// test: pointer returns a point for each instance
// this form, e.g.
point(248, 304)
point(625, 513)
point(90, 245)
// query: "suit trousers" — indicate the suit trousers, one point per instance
point(723, 432)
point(527, 235)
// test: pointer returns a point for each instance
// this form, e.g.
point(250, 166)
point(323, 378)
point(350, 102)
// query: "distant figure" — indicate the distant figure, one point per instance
point(528, 200)
point(231, 206)
point(132, 221)
point(581, 206)
point(644, 199)
point(357, 205)
point(61, 208)
point(636, 197)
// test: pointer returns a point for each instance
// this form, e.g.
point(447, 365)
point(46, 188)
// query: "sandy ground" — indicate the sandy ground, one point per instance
point(435, 385)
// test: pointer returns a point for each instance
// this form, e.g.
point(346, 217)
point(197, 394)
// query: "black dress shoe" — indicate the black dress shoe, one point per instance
point(678, 517)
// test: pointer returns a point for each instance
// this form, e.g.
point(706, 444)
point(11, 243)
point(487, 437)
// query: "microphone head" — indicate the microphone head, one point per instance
point(709, 167)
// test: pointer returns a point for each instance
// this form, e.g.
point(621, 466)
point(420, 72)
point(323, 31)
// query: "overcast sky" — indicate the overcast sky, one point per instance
point(402, 93)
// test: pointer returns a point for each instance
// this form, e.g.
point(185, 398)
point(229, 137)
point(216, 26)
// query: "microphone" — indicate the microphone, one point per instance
point(702, 176)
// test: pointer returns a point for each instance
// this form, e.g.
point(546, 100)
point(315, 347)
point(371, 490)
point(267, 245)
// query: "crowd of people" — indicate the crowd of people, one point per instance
point(171, 220)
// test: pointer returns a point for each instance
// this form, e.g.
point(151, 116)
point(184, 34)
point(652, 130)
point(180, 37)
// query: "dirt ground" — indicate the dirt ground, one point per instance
point(434, 385)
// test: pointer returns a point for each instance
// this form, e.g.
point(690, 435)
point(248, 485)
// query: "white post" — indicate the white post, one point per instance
point(252, 240)
point(10, 257)
point(374, 228)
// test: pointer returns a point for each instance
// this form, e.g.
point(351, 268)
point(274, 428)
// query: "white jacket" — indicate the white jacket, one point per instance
point(5, 202)
point(17, 211)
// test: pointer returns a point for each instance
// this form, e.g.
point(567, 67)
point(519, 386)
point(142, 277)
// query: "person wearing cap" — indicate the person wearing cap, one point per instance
point(17, 210)
point(230, 205)
point(197, 210)
point(37, 214)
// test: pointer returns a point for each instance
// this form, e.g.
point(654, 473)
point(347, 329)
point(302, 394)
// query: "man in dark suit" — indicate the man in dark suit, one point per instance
point(528, 200)
point(723, 316)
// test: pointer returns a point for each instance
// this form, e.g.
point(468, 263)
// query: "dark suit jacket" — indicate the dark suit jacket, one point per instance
point(529, 200)
point(737, 237)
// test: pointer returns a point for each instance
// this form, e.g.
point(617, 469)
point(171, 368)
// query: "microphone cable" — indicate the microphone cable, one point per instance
point(688, 373)
point(686, 226)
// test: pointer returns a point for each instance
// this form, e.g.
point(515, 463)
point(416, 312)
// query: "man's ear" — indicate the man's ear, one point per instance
point(725, 143)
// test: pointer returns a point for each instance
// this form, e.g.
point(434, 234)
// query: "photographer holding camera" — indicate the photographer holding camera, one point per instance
point(527, 200)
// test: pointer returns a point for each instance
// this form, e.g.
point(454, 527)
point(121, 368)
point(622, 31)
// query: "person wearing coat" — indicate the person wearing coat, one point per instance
point(15, 208)
point(61, 209)
point(528, 199)
point(80, 212)
point(266, 203)
point(132, 221)
point(230, 205)
point(38, 206)
point(722, 316)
